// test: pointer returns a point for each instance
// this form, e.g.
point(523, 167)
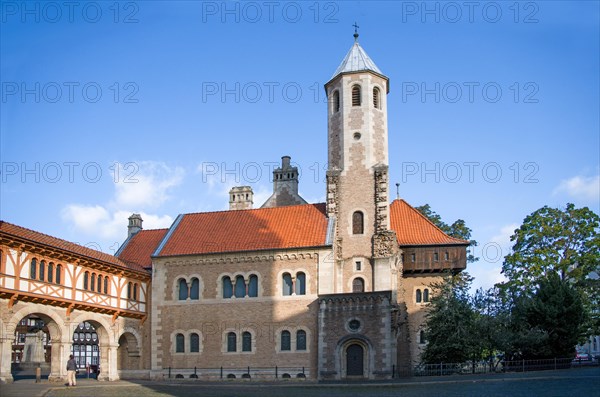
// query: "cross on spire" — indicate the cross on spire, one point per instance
point(355, 31)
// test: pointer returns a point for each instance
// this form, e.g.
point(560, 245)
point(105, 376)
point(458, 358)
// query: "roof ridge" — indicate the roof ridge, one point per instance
point(430, 222)
point(253, 209)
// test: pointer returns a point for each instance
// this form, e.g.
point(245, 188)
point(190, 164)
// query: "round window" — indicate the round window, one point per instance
point(354, 325)
point(357, 136)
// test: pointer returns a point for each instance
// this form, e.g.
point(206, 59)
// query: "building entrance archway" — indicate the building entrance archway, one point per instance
point(355, 360)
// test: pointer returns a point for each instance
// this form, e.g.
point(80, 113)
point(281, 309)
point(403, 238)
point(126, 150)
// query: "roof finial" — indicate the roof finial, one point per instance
point(397, 191)
point(355, 31)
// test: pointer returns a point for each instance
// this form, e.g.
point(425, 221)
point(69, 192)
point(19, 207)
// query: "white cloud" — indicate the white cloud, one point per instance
point(138, 187)
point(585, 188)
point(145, 184)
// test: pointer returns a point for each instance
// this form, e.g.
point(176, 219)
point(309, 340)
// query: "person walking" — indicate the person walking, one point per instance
point(71, 369)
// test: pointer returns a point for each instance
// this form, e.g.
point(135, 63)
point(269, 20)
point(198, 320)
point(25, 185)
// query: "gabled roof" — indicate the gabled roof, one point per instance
point(413, 228)
point(293, 226)
point(22, 233)
point(356, 60)
point(139, 247)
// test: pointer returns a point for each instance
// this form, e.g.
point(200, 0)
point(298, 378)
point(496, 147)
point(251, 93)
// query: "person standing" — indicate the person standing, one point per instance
point(71, 369)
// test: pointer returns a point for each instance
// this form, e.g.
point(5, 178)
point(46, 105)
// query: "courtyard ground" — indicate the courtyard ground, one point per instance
point(574, 382)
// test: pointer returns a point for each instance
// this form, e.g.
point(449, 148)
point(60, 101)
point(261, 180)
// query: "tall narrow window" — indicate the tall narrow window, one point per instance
point(195, 289)
point(413, 257)
point(426, 295)
point(33, 269)
point(358, 285)
point(336, 101)
point(301, 340)
point(227, 287)
point(287, 284)
point(135, 291)
point(436, 256)
point(419, 297)
point(58, 273)
point(240, 287)
point(286, 341)
point(93, 282)
point(50, 272)
point(106, 284)
point(253, 286)
point(99, 285)
point(86, 275)
point(376, 102)
point(356, 95)
point(129, 290)
point(231, 342)
point(246, 342)
point(42, 270)
point(194, 343)
point(422, 339)
point(300, 284)
point(358, 223)
point(446, 256)
point(179, 343)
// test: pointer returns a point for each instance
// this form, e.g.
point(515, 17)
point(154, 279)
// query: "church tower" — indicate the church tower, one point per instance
point(365, 249)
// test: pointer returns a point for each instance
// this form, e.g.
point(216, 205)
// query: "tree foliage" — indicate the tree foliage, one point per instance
point(458, 229)
point(553, 240)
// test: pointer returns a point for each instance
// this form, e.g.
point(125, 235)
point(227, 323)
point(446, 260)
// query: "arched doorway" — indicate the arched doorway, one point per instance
point(355, 360)
point(31, 347)
point(86, 348)
point(128, 353)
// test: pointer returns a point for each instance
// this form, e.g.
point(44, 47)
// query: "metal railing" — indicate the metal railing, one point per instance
point(265, 373)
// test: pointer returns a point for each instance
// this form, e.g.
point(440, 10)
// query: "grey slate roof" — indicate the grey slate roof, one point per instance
point(356, 60)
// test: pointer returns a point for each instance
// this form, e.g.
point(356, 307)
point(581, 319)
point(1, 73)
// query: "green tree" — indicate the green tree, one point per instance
point(565, 242)
point(550, 323)
point(449, 321)
point(458, 229)
point(553, 240)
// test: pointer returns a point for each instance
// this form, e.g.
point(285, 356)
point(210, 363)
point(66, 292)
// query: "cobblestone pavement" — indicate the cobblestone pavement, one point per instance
point(575, 382)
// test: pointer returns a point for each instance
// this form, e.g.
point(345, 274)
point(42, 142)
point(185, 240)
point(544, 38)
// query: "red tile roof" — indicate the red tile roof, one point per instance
point(293, 226)
point(15, 231)
point(141, 246)
point(413, 228)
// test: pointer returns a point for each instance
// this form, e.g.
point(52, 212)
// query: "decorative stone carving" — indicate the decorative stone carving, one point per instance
point(385, 244)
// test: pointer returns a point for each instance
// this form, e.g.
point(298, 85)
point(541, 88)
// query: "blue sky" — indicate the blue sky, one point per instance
point(160, 107)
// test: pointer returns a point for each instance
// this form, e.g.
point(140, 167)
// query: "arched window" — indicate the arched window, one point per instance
point(58, 273)
point(301, 340)
point(286, 341)
point(179, 343)
point(33, 269)
point(300, 284)
point(194, 343)
point(246, 342)
point(135, 291)
point(231, 342)
point(358, 223)
point(195, 289)
point(183, 289)
point(240, 287)
point(358, 285)
point(227, 287)
point(50, 272)
point(86, 275)
point(376, 103)
point(129, 290)
point(426, 295)
point(93, 282)
point(106, 284)
point(422, 339)
point(42, 270)
point(336, 101)
point(356, 95)
point(287, 284)
point(100, 279)
point(419, 296)
point(253, 286)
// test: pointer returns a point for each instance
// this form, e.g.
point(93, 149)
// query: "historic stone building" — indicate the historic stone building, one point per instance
point(331, 290)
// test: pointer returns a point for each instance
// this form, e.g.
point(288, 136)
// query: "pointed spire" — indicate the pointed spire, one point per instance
point(355, 32)
point(356, 60)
